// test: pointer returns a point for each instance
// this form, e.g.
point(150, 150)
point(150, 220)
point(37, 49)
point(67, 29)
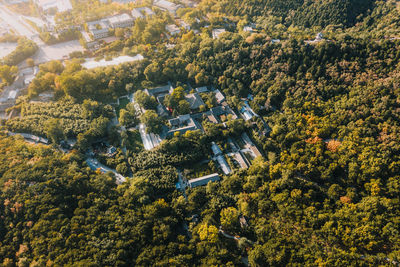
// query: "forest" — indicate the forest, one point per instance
point(326, 193)
point(297, 12)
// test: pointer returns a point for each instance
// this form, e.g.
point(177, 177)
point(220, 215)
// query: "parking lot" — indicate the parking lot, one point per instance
point(57, 51)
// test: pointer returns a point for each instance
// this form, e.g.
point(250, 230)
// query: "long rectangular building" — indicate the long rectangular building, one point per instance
point(204, 180)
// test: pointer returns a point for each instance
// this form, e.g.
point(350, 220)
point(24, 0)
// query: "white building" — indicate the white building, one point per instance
point(219, 156)
point(136, 14)
point(183, 24)
point(121, 21)
point(90, 43)
point(172, 29)
point(119, 1)
point(99, 29)
point(219, 96)
point(167, 6)
point(189, 3)
point(59, 5)
point(91, 63)
point(125, 1)
point(143, 11)
point(248, 29)
point(217, 32)
point(203, 180)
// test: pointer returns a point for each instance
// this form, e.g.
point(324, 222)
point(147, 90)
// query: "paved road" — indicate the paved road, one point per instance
point(15, 21)
point(6, 48)
point(57, 51)
point(46, 52)
point(94, 165)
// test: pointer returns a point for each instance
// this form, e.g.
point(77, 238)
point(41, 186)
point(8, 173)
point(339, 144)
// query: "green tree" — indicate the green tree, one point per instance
point(30, 62)
point(8, 73)
point(229, 218)
point(208, 233)
point(127, 117)
point(144, 100)
point(183, 107)
point(54, 131)
point(152, 121)
point(119, 32)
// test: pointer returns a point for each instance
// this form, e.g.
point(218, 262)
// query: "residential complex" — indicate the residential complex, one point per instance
point(58, 5)
point(98, 29)
point(204, 180)
point(167, 6)
point(172, 29)
point(121, 21)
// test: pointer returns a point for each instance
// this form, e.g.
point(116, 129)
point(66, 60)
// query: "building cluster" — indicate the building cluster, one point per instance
point(100, 29)
point(192, 121)
point(167, 6)
point(247, 112)
point(318, 38)
point(217, 32)
point(220, 158)
point(241, 156)
point(204, 180)
point(53, 6)
point(238, 152)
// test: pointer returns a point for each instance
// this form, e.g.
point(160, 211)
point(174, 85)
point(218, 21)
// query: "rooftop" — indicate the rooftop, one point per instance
point(248, 29)
point(203, 89)
point(204, 180)
point(136, 13)
point(90, 64)
point(120, 18)
point(159, 90)
point(125, 1)
point(145, 10)
point(183, 24)
point(215, 148)
point(60, 5)
point(220, 97)
point(172, 28)
point(97, 26)
point(194, 100)
point(166, 5)
point(217, 32)
point(182, 124)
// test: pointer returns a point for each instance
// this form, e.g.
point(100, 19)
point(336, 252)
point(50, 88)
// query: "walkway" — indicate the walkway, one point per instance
point(95, 165)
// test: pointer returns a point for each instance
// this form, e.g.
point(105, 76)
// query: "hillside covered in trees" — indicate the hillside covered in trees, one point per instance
point(297, 12)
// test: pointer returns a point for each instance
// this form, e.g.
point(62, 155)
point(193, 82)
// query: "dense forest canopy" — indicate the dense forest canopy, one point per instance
point(298, 12)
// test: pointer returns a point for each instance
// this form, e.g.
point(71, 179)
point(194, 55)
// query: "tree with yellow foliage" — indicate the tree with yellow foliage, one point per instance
point(208, 233)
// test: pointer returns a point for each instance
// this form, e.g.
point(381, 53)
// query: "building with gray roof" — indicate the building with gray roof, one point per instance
point(121, 21)
point(195, 101)
point(204, 180)
point(167, 6)
point(182, 124)
point(163, 90)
